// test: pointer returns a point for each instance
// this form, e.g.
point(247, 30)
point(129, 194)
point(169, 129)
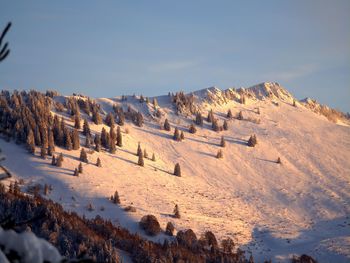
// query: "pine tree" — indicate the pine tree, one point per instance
point(210, 117)
point(119, 137)
point(240, 116)
point(215, 125)
point(98, 162)
point(192, 129)
point(252, 141)
point(76, 172)
point(153, 157)
point(167, 125)
point(242, 100)
point(96, 117)
point(53, 161)
point(182, 136)
point(199, 119)
point(80, 168)
point(169, 230)
point(279, 160)
point(139, 119)
point(142, 99)
point(112, 134)
point(176, 136)
point(77, 122)
point(229, 114)
point(97, 142)
point(110, 120)
point(294, 103)
point(141, 161)
point(220, 154)
point(88, 141)
point(86, 128)
point(115, 198)
point(176, 212)
point(68, 140)
point(104, 138)
point(76, 140)
point(31, 142)
point(222, 143)
point(83, 156)
point(145, 154)
point(59, 160)
point(51, 143)
point(43, 152)
point(121, 118)
point(177, 170)
point(112, 148)
point(225, 125)
point(139, 150)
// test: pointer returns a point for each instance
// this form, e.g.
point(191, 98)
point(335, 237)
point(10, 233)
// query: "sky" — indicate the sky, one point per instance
point(110, 48)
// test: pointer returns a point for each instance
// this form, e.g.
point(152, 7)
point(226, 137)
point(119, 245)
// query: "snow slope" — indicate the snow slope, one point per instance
point(270, 210)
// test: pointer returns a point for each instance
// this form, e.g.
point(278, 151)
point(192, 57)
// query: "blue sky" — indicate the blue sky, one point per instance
point(109, 48)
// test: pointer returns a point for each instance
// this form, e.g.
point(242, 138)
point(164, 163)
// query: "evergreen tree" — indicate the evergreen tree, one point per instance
point(215, 125)
point(112, 134)
point(77, 122)
point(169, 230)
point(121, 118)
point(242, 100)
point(176, 136)
point(76, 172)
point(176, 212)
point(220, 154)
point(192, 129)
point(80, 168)
point(252, 141)
point(97, 142)
point(104, 138)
point(83, 156)
point(294, 103)
point(225, 125)
point(37, 136)
point(110, 120)
point(177, 170)
point(86, 128)
point(240, 116)
point(98, 162)
point(139, 119)
point(59, 160)
point(119, 137)
point(68, 140)
point(115, 198)
point(53, 161)
point(222, 142)
point(210, 117)
point(112, 148)
point(153, 157)
point(140, 161)
point(279, 160)
point(199, 119)
point(76, 140)
point(43, 152)
point(88, 141)
point(31, 142)
point(142, 99)
point(167, 125)
point(139, 150)
point(96, 117)
point(51, 143)
point(229, 114)
point(182, 136)
point(145, 154)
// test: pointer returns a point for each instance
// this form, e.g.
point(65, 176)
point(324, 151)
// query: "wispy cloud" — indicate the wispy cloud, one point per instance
point(292, 74)
point(172, 66)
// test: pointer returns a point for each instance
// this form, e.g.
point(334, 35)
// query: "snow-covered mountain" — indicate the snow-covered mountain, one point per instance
point(272, 210)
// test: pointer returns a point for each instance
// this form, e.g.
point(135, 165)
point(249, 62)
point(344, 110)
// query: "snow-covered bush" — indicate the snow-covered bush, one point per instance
point(26, 247)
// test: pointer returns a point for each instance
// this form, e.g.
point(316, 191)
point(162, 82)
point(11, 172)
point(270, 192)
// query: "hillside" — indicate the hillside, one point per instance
point(271, 210)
